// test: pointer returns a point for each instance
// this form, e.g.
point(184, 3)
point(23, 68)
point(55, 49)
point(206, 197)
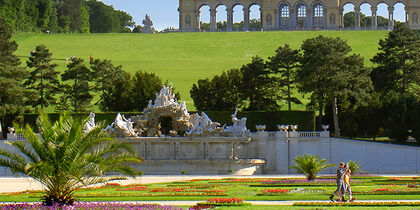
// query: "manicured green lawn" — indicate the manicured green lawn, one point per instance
point(364, 188)
point(314, 208)
point(183, 58)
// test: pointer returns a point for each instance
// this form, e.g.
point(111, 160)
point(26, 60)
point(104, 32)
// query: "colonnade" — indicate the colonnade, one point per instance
point(293, 14)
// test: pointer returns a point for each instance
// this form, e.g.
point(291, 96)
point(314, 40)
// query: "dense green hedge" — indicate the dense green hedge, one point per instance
point(305, 119)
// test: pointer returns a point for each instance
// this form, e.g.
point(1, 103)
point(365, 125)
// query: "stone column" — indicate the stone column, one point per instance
point(391, 18)
point(197, 17)
point(324, 20)
point(213, 26)
point(229, 19)
point(309, 18)
point(292, 17)
point(246, 19)
point(341, 14)
point(357, 18)
point(374, 18)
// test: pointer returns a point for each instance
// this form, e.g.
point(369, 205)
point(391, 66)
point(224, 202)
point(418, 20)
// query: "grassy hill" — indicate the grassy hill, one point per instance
point(183, 58)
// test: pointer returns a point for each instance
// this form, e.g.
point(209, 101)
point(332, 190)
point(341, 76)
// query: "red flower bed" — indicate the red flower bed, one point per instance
point(137, 188)
point(224, 200)
point(380, 190)
point(112, 185)
point(275, 191)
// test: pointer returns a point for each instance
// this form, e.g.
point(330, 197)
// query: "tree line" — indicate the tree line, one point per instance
point(382, 100)
point(41, 85)
point(64, 16)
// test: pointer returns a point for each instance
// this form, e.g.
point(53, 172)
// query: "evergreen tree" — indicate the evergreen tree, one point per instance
point(44, 78)
point(222, 93)
point(145, 87)
point(78, 93)
point(113, 85)
point(397, 62)
point(12, 92)
point(258, 87)
point(285, 63)
point(329, 73)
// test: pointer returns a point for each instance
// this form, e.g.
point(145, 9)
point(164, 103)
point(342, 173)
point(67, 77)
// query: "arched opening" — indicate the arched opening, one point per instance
point(284, 15)
point(349, 16)
point(238, 18)
point(204, 14)
point(221, 18)
point(254, 18)
point(301, 15)
point(383, 16)
point(365, 16)
point(318, 16)
point(399, 13)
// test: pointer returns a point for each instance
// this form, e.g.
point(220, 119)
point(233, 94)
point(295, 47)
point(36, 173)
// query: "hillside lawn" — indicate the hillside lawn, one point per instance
point(183, 58)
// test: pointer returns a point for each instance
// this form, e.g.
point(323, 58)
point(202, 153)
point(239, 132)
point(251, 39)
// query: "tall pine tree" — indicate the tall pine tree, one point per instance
point(12, 92)
point(78, 93)
point(44, 78)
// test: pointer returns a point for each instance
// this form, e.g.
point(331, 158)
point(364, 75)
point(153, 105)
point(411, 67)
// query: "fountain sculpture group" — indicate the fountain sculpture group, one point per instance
point(166, 117)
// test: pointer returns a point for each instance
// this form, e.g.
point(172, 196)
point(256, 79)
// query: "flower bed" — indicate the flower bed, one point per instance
point(89, 205)
point(270, 192)
point(137, 188)
point(223, 202)
point(391, 203)
point(296, 182)
point(152, 194)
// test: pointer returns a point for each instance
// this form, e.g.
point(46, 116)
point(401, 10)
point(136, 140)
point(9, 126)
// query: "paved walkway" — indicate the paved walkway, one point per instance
point(23, 184)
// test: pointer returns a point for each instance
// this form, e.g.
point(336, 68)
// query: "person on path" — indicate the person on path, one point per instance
point(340, 184)
point(347, 179)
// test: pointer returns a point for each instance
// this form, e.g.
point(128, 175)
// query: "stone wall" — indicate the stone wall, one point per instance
point(378, 158)
point(264, 152)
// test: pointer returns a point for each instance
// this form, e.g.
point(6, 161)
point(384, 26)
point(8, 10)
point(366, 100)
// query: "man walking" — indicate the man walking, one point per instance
point(340, 184)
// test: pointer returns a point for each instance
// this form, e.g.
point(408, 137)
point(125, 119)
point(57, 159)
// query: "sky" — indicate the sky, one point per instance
point(164, 13)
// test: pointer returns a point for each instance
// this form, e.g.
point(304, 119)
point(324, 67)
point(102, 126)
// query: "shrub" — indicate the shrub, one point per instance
point(310, 165)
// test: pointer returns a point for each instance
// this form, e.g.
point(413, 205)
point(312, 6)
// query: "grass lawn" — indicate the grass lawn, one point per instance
point(183, 58)
point(364, 188)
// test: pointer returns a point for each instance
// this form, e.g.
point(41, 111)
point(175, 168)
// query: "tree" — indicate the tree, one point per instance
point(285, 63)
point(258, 87)
point(65, 157)
point(310, 165)
point(44, 78)
point(329, 73)
point(145, 87)
point(113, 85)
point(397, 61)
point(13, 94)
point(224, 90)
point(79, 93)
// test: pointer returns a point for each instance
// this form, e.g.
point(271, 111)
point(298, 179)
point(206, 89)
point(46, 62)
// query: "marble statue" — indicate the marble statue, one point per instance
point(121, 127)
point(90, 124)
point(239, 126)
point(148, 23)
point(164, 116)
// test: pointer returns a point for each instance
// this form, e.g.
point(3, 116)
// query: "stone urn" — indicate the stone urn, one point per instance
point(325, 127)
point(260, 127)
point(294, 127)
point(283, 128)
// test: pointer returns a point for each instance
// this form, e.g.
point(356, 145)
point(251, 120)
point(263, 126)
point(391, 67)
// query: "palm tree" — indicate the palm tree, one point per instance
point(64, 157)
point(310, 165)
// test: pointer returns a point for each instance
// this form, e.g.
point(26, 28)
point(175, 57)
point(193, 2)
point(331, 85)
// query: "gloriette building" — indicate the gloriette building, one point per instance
point(294, 14)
